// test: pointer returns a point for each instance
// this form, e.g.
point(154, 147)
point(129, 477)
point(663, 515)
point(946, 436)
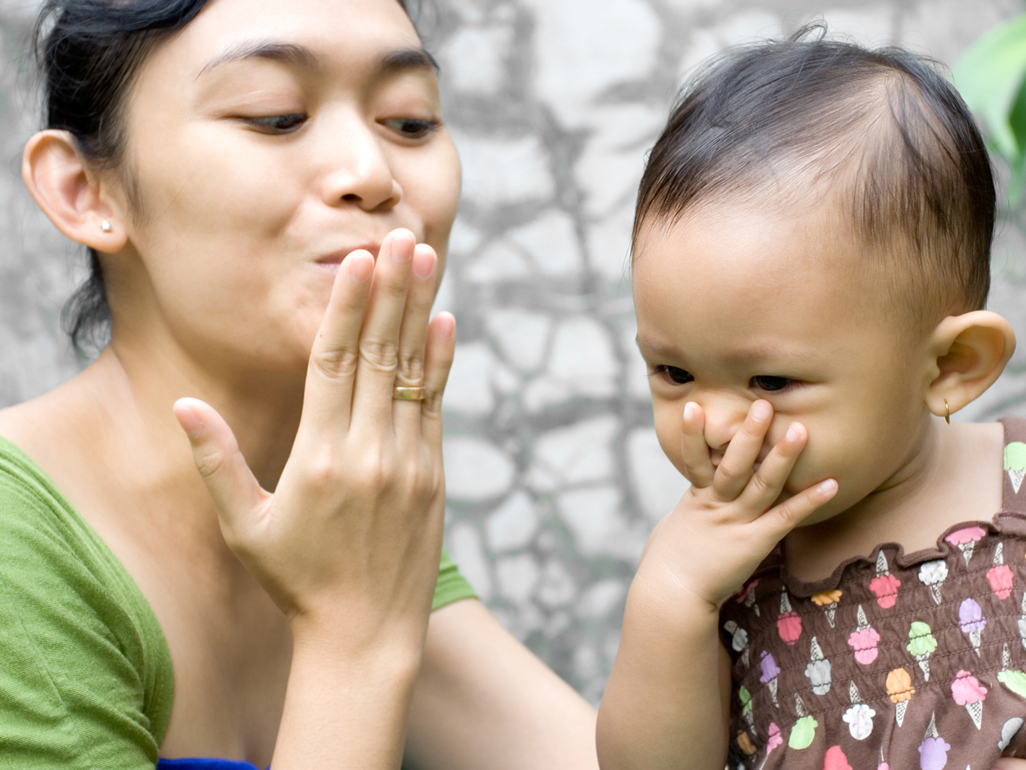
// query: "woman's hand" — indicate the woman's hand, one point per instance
point(351, 535)
point(730, 518)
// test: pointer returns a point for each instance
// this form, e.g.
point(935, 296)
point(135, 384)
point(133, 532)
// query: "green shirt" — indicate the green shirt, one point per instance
point(85, 671)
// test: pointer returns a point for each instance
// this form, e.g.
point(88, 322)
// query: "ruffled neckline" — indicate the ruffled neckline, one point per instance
point(1005, 523)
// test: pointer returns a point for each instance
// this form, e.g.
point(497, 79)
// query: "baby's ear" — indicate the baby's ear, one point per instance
point(68, 191)
point(967, 354)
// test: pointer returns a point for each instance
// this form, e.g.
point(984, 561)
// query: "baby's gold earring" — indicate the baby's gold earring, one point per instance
point(947, 412)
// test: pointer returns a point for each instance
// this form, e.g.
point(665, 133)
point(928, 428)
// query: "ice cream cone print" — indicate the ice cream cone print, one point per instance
point(921, 644)
point(900, 691)
point(933, 574)
point(1022, 621)
point(738, 636)
point(965, 540)
point(745, 697)
point(864, 640)
point(884, 586)
point(818, 670)
point(972, 622)
point(789, 624)
point(1015, 463)
point(1012, 679)
point(1000, 575)
point(859, 716)
point(976, 712)
point(773, 740)
point(769, 671)
point(933, 750)
point(967, 691)
point(747, 597)
point(1009, 730)
point(827, 601)
point(804, 730)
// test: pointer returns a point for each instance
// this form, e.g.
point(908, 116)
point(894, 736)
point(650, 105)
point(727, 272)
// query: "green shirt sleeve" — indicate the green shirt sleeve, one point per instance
point(451, 585)
point(85, 678)
point(85, 671)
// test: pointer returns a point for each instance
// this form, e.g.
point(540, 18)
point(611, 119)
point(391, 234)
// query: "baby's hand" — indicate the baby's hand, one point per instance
point(730, 518)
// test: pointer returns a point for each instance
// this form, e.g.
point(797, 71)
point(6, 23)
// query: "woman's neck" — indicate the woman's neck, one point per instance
point(110, 441)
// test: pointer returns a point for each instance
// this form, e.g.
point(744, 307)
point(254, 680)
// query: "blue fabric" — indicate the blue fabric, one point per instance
point(204, 764)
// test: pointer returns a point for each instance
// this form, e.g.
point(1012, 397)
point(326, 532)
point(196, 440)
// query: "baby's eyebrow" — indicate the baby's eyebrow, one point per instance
point(743, 355)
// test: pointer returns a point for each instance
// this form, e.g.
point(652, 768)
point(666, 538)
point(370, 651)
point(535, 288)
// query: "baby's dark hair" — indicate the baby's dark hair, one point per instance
point(896, 144)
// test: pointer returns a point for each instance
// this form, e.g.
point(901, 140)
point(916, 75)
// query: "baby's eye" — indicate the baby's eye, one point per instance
point(412, 128)
point(674, 375)
point(278, 124)
point(771, 384)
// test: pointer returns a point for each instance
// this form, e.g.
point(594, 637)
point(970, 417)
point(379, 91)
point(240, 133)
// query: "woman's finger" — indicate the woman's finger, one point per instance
point(379, 338)
point(331, 374)
point(694, 451)
point(738, 463)
point(441, 346)
point(232, 485)
point(413, 337)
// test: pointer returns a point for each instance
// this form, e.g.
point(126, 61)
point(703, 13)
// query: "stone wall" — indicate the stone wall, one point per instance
point(554, 473)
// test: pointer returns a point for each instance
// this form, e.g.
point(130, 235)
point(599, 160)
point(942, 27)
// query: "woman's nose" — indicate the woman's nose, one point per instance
point(724, 416)
point(359, 172)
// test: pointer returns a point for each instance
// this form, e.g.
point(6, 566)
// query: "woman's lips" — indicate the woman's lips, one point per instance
point(332, 261)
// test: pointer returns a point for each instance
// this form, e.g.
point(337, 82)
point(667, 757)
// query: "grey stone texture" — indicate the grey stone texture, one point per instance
point(554, 474)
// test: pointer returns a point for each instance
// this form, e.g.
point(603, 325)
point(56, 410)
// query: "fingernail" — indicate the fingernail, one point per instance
point(793, 433)
point(827, 487)
point(403, 244)
point(360, 266)
point(423, 263)
point(689, 410)
point(761, 410)
point(189, 420)
point(446, 325)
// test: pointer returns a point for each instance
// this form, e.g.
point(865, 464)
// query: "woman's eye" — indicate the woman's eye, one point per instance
point(280, 124)
point(675, 375)
point(763, 382)
point(412, 128)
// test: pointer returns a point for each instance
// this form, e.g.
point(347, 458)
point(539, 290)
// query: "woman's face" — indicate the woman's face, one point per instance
point(266, 141)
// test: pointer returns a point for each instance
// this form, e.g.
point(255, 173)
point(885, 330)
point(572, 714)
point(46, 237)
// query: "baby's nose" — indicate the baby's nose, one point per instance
point(723, 418)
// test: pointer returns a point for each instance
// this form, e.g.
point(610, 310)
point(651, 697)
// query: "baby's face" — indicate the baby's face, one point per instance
point(735, 305)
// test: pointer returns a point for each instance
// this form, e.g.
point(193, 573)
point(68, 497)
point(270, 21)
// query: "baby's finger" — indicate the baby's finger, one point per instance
point(768, 482)
point(698, 467)
point(778, 521)
point(738, 463)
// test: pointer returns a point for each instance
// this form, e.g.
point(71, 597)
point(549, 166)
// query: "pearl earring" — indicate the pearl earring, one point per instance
point(105, 226)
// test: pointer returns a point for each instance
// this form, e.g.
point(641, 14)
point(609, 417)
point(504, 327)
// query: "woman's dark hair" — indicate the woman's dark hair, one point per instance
point(882, 127)
point(89, 52)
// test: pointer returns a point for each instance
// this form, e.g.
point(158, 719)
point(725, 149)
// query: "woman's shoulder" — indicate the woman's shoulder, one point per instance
point(79, 641)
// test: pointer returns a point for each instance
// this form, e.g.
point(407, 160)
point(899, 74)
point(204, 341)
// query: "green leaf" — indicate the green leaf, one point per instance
point(990, 76)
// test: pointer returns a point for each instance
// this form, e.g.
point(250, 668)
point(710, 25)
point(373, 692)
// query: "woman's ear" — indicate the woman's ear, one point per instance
point(968, 352)
point(71, 194)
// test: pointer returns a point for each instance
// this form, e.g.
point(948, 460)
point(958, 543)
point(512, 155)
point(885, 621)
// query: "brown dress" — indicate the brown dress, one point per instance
point(897, 661)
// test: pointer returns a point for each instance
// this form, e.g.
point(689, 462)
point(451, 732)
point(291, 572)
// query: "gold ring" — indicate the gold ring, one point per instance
point(409, 394)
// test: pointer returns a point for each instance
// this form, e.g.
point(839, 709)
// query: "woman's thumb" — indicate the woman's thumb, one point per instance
point(232, 485)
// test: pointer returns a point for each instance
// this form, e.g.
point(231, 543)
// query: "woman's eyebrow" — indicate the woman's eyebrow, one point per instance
point(290, 53)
